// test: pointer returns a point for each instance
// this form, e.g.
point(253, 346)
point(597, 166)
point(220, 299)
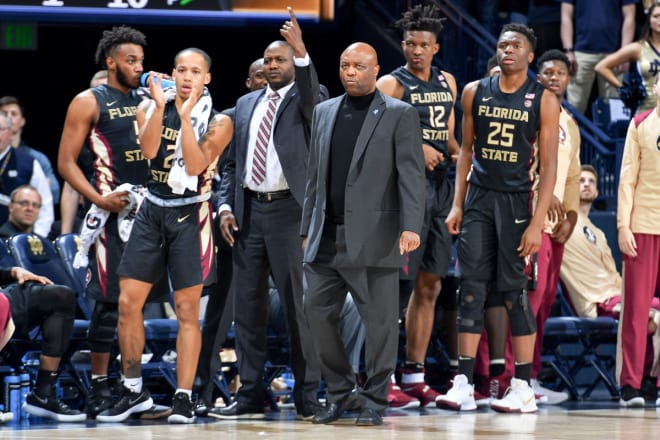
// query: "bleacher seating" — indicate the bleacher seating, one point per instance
point(611, 116)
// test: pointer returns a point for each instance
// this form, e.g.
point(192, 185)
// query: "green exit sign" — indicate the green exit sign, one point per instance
point(18, 36)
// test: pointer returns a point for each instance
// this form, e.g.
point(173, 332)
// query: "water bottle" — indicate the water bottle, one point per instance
point(25, 390)
point(165, 83)
point(13, 394)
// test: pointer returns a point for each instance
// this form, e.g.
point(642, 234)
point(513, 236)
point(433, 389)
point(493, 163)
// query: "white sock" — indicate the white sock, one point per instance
point(181, 390)
point(133, 383)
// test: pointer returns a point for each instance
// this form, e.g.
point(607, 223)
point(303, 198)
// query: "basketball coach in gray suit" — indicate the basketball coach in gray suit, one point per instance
point(363, 210)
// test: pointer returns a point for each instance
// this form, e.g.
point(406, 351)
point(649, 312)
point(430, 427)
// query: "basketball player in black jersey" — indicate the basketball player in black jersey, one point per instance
point(433, 93)
point(173, 228)
point(502, 118)
point(100, 125)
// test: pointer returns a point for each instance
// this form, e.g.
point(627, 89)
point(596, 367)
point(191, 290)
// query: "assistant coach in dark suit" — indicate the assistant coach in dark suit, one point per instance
point(261, 204)
point(364, 208)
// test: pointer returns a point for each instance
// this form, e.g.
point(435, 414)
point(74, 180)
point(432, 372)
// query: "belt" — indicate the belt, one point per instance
point(270, 196)
point(178, 201)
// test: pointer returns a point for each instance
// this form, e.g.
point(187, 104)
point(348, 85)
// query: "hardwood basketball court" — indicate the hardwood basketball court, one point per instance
point(573, 420)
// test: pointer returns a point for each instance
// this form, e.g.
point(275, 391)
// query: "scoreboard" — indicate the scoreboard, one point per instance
point(169, 12)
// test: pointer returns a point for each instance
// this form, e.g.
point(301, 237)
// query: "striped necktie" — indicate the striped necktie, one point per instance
point(263, 136)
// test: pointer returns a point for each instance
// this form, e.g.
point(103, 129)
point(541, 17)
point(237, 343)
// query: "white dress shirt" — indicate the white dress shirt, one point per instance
point(275, 180)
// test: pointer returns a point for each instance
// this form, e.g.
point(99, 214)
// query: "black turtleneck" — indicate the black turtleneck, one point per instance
point(347, 128)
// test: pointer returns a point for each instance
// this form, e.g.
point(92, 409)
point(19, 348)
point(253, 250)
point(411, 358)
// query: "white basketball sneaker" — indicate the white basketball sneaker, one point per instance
point(459, 397)
point(518, 398)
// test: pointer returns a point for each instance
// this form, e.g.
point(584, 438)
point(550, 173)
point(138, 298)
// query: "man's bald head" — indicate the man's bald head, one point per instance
point(358, 69)
point(280, 44)
point(256, 78)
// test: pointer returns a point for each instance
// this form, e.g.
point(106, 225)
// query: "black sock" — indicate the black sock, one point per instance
point(45, 385)
point(524, 371)
point(415, 367)
point(466, 366)
point(496, 368)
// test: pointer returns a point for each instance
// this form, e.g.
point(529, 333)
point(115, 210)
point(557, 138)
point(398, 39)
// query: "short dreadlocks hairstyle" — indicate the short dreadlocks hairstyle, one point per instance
point(421, 18)
point(117, 36)
point(521, 29)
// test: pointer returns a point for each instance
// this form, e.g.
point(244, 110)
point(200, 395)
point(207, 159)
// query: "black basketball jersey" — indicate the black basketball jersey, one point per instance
point(116, 157)
point(433, 101)
point(505, 126)
point(159, 167)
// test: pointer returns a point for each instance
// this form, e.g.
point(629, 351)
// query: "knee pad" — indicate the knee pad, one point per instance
point(103, 327)
point(471, 297)
point(521, 316)
point(62, 297)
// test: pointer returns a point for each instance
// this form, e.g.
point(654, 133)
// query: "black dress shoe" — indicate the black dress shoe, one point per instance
point(308, 410)
point(238, 410)
point(334, 411)
point(369, 417)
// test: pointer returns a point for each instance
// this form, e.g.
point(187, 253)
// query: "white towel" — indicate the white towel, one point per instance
point(96, 217)
point(178, 179)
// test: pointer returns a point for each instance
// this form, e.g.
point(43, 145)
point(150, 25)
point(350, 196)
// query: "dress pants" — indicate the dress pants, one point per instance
point(269, 243)
point(375, 291)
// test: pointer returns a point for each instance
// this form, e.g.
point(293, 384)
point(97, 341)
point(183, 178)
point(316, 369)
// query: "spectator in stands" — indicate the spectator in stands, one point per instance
point(638, 217)
point(18, 168)
point(644, 53)
point(23, 211)
point(485, 11)
point(544, 17)
point(589, 32)
point(100, 77)
point(36, 301)
point(13, 107)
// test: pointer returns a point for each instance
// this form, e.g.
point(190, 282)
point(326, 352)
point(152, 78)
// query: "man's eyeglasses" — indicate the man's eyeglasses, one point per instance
point(26, 203)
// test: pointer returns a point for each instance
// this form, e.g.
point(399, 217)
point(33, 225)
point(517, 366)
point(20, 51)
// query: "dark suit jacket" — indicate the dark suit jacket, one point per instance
point(8, 230)
point(290, 137)
point(385, 187)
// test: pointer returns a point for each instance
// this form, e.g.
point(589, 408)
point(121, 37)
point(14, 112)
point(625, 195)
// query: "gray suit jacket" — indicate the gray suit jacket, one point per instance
point(385, 186)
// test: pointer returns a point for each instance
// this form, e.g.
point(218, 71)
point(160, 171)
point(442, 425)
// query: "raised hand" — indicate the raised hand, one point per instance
point(292, 33)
